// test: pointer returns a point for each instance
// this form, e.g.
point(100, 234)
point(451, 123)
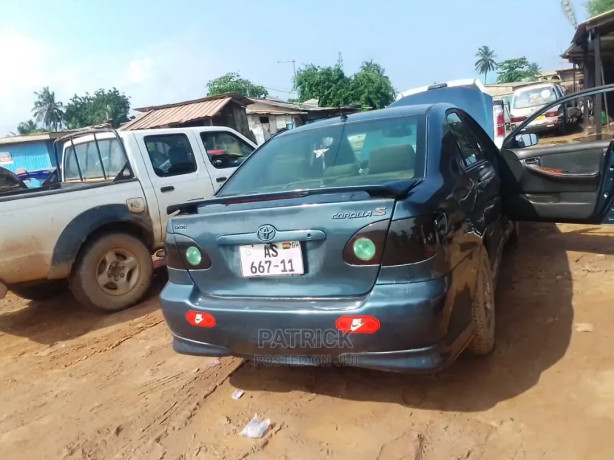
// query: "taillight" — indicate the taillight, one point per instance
point(410, 240)
point(366, 246)
point(553, 113)
point(399, 242)
point(183, 253)
point(500, 125)
point(518, 119)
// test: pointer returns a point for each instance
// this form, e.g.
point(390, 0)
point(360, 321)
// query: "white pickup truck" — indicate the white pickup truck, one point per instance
point(98, 225)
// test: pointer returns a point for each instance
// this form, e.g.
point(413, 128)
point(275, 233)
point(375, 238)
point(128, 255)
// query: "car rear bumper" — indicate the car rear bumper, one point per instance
point(415, 331)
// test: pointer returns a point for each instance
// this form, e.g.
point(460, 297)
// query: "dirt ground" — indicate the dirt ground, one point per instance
point(79, 385)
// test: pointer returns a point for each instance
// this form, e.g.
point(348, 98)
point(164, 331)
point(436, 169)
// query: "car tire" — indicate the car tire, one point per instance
point(40, 291)
point(483, 310)
point(112, 272)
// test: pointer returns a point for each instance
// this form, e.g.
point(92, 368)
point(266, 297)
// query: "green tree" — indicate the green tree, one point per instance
point(518, 69)
point(485, 62)
point(595, 7)
point(233, 83)
point(28, 127)
point(369, 87)
point(103, 106)
point(534, 69)
point(47, 110)
point(329, 85)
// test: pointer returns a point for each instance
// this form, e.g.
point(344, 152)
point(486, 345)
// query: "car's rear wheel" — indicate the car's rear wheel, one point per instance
point(483, 310)
point(112, 273)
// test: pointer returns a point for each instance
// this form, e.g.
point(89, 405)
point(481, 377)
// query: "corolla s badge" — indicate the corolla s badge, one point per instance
point(266, 233)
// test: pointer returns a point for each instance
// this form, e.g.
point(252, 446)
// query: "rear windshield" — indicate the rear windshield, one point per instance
point(534, 97)
point(346, 154)
point(85, 163)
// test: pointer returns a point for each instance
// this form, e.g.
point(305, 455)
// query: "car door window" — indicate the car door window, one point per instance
point(170, 154)
point(469, 147)
point(224, 149)
point(572, 122)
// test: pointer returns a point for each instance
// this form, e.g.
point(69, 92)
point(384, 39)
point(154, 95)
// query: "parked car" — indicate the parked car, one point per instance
point(469, 95)
point(529, 99)
point(10, 182)
point(100, 223)
point(385, 256)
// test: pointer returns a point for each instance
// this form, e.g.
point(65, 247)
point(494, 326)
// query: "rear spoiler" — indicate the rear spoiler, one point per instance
point(393, 189)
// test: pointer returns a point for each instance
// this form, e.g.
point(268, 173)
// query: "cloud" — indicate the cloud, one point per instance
point(174, 69)
point(139, 71)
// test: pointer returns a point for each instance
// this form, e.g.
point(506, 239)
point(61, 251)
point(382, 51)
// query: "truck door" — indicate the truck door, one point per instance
point(563, 172)
point(223, 152)
point(177, 172)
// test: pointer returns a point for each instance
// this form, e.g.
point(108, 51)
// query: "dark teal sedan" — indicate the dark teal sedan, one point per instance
point(371, 240)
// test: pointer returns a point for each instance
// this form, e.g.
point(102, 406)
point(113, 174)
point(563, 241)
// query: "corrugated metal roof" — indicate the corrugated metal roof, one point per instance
point(34, 137)
point(178, 114)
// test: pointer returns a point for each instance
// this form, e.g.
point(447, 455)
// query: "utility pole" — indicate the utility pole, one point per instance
point(293, 62)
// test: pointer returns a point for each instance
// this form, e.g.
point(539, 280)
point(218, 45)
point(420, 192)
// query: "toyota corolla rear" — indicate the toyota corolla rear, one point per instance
point(317, 250)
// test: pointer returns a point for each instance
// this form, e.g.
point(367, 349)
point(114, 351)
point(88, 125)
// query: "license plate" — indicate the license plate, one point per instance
point(273, 259)
point(541, 117)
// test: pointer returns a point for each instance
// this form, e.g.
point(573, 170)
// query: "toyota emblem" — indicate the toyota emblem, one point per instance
point(266, 233)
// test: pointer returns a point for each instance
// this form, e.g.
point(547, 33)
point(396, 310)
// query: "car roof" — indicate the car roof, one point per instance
point(535, 86)
point(373, 115)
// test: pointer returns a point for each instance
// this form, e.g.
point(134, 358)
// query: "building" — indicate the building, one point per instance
point(32, 152)
point(221, 110)
point(592, 50)
point(266, 117)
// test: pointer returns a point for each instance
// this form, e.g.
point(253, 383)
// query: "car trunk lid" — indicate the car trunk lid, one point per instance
point(315, 225)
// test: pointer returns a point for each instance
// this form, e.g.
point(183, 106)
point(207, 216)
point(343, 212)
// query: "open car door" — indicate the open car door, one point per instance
point(558, 164)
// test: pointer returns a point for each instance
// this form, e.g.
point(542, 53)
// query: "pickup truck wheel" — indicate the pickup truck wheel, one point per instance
point(483, 310)
point(112, 273)
point(40, 291)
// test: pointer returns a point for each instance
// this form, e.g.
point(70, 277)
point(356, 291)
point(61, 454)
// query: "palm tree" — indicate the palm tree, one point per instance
point(47, 110)
point(486, 61)
point(27, 127)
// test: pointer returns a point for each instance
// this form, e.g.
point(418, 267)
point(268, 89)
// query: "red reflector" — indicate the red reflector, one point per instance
point(552, 114)
point(357, 324)
point(518, 119)
point(200, 319)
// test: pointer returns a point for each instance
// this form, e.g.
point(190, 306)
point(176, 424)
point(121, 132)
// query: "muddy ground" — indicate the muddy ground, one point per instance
point(79, 385)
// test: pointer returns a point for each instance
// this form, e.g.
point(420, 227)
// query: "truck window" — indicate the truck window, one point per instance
point(83, 160)
point(224, 149)
point(170, 154)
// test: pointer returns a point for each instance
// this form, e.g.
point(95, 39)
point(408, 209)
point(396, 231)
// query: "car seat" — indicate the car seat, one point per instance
point(394, 158)
point(181, 162)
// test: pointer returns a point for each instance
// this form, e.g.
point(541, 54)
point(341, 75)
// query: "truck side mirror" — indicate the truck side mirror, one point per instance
point(526, 140)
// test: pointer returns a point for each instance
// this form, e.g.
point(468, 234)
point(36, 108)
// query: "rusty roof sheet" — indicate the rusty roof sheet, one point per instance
point(169, 116)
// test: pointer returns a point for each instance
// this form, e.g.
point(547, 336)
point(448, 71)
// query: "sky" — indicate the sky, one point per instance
point(161, 52)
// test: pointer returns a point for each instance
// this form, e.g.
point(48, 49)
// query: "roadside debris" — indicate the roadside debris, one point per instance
point(237, 394)
point(256, 427)
point(584, 327)
point(215, 362)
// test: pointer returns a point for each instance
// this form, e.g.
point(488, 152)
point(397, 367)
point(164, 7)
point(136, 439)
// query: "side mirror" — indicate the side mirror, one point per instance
point(526, 140)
